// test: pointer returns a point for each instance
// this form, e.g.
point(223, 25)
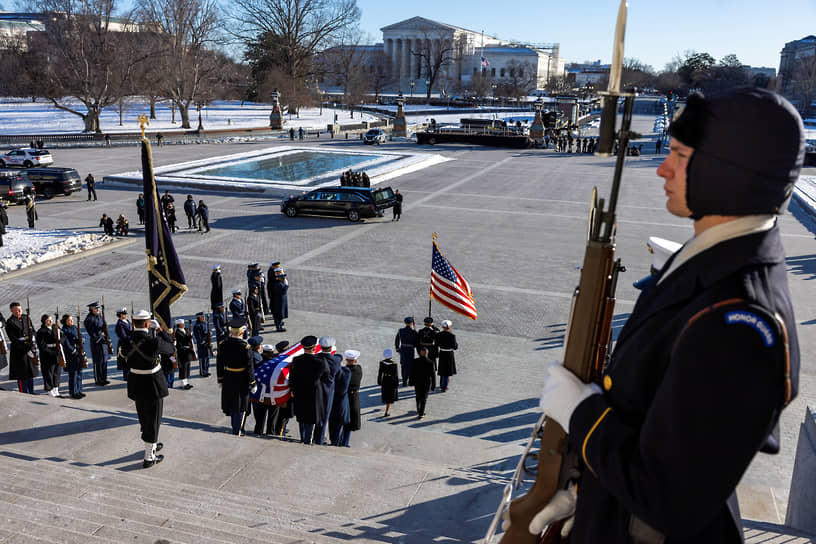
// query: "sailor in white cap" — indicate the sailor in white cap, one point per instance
point(184, 352)
point(237, 306)
point(355, 420)
point(123, 330)
point(146, 384)
point(388, 380)
point(217, 288)
point(236, 374)
point(446, 345)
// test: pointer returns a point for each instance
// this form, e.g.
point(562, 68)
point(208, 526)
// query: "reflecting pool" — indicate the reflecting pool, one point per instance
point(291, 167)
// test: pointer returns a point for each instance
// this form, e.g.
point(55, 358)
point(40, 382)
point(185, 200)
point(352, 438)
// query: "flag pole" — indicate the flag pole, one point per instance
point(430, 291)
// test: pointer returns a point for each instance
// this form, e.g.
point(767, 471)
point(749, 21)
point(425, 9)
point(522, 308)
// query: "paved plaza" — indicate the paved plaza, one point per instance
point(513, 222)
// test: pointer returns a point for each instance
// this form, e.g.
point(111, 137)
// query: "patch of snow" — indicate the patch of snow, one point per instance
point(24, 247)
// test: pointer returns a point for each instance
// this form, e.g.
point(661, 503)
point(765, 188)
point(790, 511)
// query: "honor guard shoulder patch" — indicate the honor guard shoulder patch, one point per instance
point(744, 317)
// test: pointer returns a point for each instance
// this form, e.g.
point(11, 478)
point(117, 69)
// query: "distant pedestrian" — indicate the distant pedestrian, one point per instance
point(388, 380)
point(397, 206)
point(166, 199)
point(107, 140)
point(90, 182)
point(160, 139)
point(658, 143)
point(40, 143)
point(170, 214)
point(291, 133)
point(190, 211)
point(203, 213)
point(30, 206)
point(122, 225)
point(3, 219)
point(107, 224)
point(300, 133)
point(140, 207)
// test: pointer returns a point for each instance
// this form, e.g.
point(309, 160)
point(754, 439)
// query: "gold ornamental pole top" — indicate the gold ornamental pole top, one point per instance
point(143, 122)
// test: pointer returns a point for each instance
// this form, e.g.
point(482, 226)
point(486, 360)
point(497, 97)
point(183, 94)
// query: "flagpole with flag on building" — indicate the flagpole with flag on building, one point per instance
point(448, 286)
point(165, 278)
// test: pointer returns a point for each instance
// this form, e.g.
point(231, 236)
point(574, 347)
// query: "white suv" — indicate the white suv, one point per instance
point(374, 136)
point(26, 157)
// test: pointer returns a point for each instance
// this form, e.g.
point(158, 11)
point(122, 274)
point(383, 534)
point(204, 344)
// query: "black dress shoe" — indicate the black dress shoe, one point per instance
point(106, 382)
point(77, 396)
point(159, 446)
point(188, 386)
point(148, 464)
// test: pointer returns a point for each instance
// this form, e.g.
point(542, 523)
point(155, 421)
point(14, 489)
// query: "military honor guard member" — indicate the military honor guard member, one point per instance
point(340, 415)
point(254, 309)
point(94, 326)
point(217, 287)
point(266, 415)
point(422, 372)
point(446, 344)
point(237, 306)
point(426, 336)
point(202, 344)
point(73, 357)
point(709, 356)
point(280, 301)
point(47, 347)
point(123, 330)
point(334, 362)
point(146, 384)
point(184, 352)
point(220, 323)
point(286, 411)
point(22, 361)
point(388, 380)
point(236, 374)
point(355, 418)
point(406, 343)
point(306, 373)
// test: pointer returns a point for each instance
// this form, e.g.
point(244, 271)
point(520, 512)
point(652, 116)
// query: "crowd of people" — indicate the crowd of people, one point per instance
point(350, 178)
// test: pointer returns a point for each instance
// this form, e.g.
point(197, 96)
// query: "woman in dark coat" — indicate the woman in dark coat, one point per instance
point(140, 204)
point(388, 380)
point(73, 357)
point(339, 416)
point(355, 420)
point(47, 346)
point(446, 345)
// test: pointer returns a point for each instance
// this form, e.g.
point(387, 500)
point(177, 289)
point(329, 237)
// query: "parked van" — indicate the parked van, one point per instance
point(13, 184)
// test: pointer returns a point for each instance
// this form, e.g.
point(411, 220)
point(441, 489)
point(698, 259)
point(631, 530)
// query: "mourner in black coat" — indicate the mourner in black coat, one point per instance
point(236, 374)
point(446, 345)
point(422, 372)
point(73, 357)
point(21, 361)
point(355, 419)
point(217, 287)
point(388, 380)
point(709, 356)
point(406, 343)
point(146, 384)
point(340, 416)
point(306, 373)
point(47, 346)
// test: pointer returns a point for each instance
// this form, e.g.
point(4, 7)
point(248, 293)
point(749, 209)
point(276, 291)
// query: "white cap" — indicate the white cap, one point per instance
point(236, 291)
point(327, 342)
point(352, 354)
point(268, 347)
point(142, 315)
point(446, 324)
point(154, 324)
point(179, 322)
point(661, 249)
point(216, 267)
point(387, 353)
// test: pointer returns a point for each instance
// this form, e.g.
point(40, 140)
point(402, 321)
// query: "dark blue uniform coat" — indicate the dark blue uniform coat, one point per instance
point(306, 373)
point(695, 385)
point(280, 301)
point(236, 373)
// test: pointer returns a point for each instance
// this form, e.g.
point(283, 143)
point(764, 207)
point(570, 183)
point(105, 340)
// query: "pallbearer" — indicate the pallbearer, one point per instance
point(94, 326)
point(123, 330)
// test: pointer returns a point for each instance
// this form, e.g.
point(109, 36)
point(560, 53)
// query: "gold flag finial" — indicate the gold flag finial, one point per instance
point(143, 122)
point(434, 235)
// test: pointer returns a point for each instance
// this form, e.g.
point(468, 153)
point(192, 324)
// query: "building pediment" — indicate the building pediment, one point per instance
point(419, 23)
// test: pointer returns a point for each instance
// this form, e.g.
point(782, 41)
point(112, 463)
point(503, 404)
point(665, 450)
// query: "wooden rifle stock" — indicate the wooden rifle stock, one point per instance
point(60, 352)
point(29, 335)
point(105, 329)
point(83, 359)
point(209, 337)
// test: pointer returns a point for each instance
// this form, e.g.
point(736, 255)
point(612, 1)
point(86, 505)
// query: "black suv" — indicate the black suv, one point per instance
point(54, 181)
point(352, 202)
point(13, 184)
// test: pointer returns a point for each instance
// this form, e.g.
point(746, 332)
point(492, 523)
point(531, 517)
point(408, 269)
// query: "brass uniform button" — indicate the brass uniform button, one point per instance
point(607, 383)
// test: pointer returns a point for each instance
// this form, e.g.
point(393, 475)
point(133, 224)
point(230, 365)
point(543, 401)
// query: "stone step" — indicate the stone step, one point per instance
point(49, 532)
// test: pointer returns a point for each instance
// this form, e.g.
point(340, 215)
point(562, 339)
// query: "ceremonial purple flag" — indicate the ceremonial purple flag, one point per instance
point(164, 274)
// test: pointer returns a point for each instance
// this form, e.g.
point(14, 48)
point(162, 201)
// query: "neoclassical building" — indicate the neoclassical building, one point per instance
point(412, 44)
point(792, 54)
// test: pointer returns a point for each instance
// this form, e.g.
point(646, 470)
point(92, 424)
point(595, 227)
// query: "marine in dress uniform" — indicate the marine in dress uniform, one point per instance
point(406, 343)
point(280, 301)
point(123, 330)
point(202, 344)
point(47, 347)
point(426, 336)
point(146, 384)
point(236, 374)
point(355, 418)
point(446, 344)
point(709, 356)
point(306, 373)
point(184, 353)
point(334, 362)
point(95, 328)
point(217, 287)
point(422, 376)
point(21, 359)
point(388, 380)
point(73, 357)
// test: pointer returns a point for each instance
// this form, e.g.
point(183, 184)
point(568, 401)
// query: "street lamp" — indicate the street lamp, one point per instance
point(411, 84)
point(428, 86)
point(200, 124)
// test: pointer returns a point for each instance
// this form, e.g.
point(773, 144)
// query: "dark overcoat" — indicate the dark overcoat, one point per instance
point(422, 372)
point(216, 289)
point(279, 300)
point(355, 419)
point(340, 405)
point(306, 373)
point(141, 352)
point(70, 346)
point(695, 385)
point(334, 362)
point(446, 344)
point(236, 373)
point(47, 346)
point(21, 367)
point(388, 380)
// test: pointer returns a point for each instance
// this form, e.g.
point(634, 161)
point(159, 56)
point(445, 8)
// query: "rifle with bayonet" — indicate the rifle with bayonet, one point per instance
point(209, 336)
point(83, 358)
point(190, 340)
point(60, 352)
point(29, 334)
point(105, 329)
point(589, 330)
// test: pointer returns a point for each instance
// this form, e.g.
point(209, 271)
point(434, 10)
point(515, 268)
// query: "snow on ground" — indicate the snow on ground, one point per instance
point(25, 247)
point(21, 116)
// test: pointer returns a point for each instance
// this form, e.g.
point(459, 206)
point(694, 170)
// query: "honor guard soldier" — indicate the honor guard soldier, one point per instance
point(306, 372)
point(446, 344)
point(709, 356)
point(95, 328)
point(237, 306)
point(254, 309)
point(266, 415)
point(22, 361)
point(220, 323)
point(184, 353)
point(146, 383)
point(427, 338)
point(252, 276)
point(217, 289)
point(123, 330)
point(73, 357)
point(47, 346)
point(280, 301)
point(202, 342)
point(405, 343)
point(355, 419)
point(236, 375)
point(334, 362)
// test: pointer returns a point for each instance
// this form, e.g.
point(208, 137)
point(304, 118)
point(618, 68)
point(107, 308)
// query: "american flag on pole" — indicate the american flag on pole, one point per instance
point(485, 62)
point(449, 288)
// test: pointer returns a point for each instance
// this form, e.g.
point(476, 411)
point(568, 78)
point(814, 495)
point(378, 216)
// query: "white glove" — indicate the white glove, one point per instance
point(254, 389)
point(561, 506)
point(154, 324)
point(30, 354)
point(172, 359)
point(563, 392)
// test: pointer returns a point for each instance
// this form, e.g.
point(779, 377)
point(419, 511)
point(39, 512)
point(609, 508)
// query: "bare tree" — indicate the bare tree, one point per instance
point(344, 63)
point(185, 32)
point(380, 75)
point(434, 53)
point(804, 84)
point(521, 78)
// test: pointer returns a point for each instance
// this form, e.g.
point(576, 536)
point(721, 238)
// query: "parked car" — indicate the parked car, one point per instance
point(26, 157)
point(54, 181)
point(352, 202)
point(13, 184)
point(374, 136)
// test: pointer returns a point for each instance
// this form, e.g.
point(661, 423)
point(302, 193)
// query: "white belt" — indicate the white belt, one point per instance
point(145, 372)
point(445, 349)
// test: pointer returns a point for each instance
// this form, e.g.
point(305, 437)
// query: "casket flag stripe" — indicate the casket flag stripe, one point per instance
point(449, 288)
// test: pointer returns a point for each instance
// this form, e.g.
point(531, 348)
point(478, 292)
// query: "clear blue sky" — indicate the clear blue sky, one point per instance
point(656, 30)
